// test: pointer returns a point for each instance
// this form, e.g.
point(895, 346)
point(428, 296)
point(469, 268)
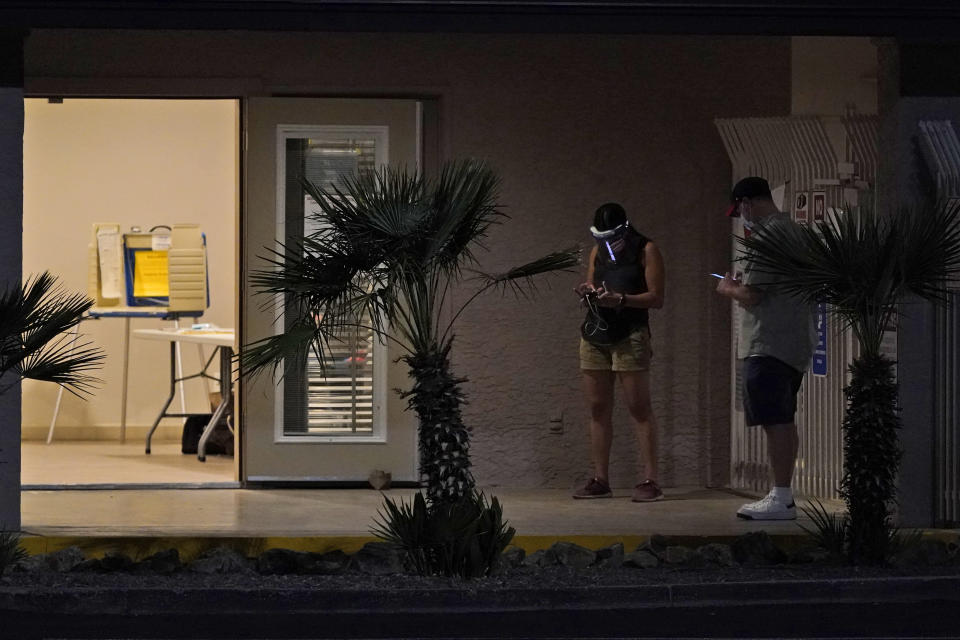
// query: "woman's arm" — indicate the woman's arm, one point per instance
point(654, 273)
point(583, 287)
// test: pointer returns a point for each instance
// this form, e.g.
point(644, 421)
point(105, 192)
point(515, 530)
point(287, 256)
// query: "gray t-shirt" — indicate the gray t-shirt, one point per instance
point(780, 326)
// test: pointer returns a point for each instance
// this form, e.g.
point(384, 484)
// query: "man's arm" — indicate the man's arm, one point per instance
point(745, 294)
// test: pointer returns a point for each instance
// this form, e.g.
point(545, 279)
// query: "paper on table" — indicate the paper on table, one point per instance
point(204, 332)
point(110, 256)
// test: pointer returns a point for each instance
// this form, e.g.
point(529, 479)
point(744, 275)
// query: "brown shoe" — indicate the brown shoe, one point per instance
point(595, 488)
point(647, 491)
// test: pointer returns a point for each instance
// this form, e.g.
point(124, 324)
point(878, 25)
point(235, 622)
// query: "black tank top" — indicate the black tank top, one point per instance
point(626, 275)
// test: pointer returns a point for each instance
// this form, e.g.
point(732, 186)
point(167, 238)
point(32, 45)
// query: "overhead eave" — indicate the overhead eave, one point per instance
point(921, 19)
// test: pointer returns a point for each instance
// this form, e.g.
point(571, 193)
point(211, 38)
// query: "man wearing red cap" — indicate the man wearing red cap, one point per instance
point(777, 339)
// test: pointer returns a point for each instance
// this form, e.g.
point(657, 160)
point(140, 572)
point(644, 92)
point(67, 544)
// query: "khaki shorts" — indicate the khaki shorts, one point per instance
point(633, 353)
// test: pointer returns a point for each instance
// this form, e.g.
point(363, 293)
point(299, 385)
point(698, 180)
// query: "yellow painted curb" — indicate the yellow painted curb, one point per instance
point(190, 547)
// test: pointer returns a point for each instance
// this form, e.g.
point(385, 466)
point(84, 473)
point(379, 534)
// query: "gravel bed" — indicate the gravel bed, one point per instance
point(377, 566)
point(519, 578)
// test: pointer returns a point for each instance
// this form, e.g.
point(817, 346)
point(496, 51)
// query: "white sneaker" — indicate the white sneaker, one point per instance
point(768, 508)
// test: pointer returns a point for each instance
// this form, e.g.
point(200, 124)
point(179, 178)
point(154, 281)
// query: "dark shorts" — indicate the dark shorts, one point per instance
point(770, 389)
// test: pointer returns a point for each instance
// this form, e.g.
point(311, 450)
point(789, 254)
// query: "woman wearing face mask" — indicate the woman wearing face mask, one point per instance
point(625, 278)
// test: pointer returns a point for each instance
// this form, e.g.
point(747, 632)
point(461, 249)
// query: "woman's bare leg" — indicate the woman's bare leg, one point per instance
point(636, 388)
point(598, 388)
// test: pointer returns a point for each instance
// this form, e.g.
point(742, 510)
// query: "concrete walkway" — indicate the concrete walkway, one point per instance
point(327, 518)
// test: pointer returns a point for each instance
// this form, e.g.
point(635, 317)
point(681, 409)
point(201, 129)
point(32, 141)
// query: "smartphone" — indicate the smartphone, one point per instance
point(717, 275)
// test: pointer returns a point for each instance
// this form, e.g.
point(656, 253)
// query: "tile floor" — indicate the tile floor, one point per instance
point(111, 463)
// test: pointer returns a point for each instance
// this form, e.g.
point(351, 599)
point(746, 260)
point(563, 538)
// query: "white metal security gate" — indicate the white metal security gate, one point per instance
point(799, 157)
point(941, 149)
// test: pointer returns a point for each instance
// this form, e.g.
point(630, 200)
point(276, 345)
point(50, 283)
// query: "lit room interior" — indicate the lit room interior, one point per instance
point(98, 171)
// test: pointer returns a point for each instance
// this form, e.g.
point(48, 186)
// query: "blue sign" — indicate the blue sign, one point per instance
point(819, 367)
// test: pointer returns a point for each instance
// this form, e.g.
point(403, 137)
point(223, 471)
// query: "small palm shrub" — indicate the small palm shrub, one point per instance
point(862, 265)
point(464, 538)
point(10, 550)
point(388, 251)
point(831, 533)
point(871, 457)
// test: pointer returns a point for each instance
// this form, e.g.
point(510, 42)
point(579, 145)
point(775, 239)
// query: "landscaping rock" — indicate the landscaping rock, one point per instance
point(112, 562)
point(221, 560)
point(377, 558)
point(813, 555)
point(280, 562)
point(658, 544)
point(509, 559)
point(331, 563)
point(756, 549)
point(642, 558)
point(116, 561)
point(289, 562)
point(923, 553)
point(162, 563)
point(538, 559)
point(90, 564)
point(716, 554)
point(572, 555)
point(611, 556)
point(63, 560)
point(677, 555)
point(31, 563)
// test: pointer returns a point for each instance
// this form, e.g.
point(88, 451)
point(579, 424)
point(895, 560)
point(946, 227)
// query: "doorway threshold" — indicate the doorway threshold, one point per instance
point(130, 486)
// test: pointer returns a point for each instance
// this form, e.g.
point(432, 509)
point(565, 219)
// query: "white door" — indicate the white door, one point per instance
point(342, 421)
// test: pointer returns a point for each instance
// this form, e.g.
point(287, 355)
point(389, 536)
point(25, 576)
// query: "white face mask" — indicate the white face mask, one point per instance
point(747, 224)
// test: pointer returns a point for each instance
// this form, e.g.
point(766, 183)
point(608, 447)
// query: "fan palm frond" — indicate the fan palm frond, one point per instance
point(520, 279)
point(290, 347)
point(372, 212)
point(930, 253)
point(862, 264)
point(34, 321)
point(66, 365)
point(464, 199)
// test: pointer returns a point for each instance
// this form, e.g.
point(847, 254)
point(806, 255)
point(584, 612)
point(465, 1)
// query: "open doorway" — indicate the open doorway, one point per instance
point(142, 164)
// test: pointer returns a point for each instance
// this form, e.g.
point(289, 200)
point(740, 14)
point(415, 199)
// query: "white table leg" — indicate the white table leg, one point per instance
point(56, 408)
point(206, 381)
point(123, 392)
point(180, 387)
point(226, 400)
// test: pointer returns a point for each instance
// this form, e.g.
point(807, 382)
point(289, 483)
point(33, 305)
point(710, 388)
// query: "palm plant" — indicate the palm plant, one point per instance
point(390, 247)
point(11, 552)
point(35, 320)
point(862, 265)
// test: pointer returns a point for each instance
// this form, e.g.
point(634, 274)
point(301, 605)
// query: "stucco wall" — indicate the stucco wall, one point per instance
point(569, 121)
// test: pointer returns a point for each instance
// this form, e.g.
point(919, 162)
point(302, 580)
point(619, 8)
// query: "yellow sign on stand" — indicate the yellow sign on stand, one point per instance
point(151, 274)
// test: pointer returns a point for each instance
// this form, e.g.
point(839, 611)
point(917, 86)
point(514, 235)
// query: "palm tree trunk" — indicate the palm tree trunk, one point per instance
point(871, 456)
point(444, 440)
